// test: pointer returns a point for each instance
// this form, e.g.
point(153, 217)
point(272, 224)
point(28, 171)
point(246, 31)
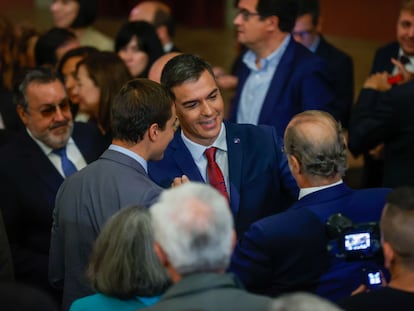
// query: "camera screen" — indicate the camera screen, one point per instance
point(357, 241)
point(374, 278)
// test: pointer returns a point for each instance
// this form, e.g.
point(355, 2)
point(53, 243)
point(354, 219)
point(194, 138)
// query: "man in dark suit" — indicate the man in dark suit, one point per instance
point(373, 173)
point(31, 172)
point(307, 31)
point(384, 115)
point(289, 251)
point(255, 171)
point(278, 77)
point(194, 239)
point(143, 123)
point(158, 14)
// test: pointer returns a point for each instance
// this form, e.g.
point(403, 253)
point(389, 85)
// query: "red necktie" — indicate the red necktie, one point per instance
point(215, 176)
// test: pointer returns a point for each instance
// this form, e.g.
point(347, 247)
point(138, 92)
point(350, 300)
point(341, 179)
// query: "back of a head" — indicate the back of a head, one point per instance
point(285, 10)
point(194, 227)
point(139, 104)
point(123, 263)
point(301, 302)
point(183, 68)
point(397, 224)
point(317, 141)
point(86, 15)
point(48, 44)
point(155, 71)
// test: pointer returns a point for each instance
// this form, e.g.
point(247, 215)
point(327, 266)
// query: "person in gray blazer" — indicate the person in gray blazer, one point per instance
point(194, 238)
point(143, 123)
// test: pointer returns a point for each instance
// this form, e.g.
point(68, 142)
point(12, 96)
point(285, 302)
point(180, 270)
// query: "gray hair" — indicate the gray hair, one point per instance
point(40, 75)
point(194, 226)
point(317, 140)
point(301, 302)
point(123, 263)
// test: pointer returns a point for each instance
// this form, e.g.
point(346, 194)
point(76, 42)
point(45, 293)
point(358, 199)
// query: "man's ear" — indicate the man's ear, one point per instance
point(153, 132)
point(319, 24)
point(294, 164)
point(162, 33)
point(22, 114)
point(160, 254)
point(389, 254)
point(272, 23)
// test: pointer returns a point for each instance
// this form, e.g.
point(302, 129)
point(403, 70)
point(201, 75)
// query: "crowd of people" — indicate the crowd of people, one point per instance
point(125, 185)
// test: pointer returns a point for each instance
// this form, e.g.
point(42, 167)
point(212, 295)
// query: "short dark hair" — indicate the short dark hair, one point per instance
point(397, 224)
point(147, 38)
point(183, 68)
point(309, 7)
point(48, 43)
point(109, 73)
point(123, 263)
point(82, 51)
point(140, 103)
point(87, 13)
point(285, 10)
point(41, 75)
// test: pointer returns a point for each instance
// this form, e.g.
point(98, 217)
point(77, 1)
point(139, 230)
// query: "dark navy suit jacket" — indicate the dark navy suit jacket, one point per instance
point(382, 59)
point(288, 251)
point(29, 183)
point(301, 82)
point(341, 70)
point(260, 181)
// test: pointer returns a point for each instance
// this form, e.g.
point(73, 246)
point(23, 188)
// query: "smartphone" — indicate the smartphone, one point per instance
point(374, 279)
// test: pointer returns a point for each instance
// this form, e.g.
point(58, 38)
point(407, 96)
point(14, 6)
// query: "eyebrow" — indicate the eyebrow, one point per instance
point(197, 99)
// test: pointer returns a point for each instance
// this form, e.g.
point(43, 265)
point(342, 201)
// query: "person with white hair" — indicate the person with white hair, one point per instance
point(194, 239)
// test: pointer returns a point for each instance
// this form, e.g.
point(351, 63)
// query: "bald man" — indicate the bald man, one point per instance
point(157, 67)
point(159, 15)
point(288, 251)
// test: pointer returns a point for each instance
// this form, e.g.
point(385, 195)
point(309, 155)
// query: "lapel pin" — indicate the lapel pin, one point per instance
point(236, 140)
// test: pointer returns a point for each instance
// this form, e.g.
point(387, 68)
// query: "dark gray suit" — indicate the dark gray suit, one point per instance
point(210, 291)
point(84, 203)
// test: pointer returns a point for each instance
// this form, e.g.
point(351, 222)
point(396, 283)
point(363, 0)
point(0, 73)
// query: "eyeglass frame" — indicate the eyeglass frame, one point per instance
point(246, 14)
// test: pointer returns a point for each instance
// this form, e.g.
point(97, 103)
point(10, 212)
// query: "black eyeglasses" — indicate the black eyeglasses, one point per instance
point(246, 14)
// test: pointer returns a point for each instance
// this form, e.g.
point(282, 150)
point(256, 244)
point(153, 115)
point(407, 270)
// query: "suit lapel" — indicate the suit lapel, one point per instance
point(184, 160)
point(40, 163)
point(234, 158)
point(277, 85)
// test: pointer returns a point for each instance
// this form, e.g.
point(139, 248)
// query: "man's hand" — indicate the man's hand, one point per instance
point(179, 181)
point(378, 81)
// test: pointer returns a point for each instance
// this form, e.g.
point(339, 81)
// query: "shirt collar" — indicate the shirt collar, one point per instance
point(273, 59)
point(315, 44)
point(197, 150)
point(130, 154)
point(306, 191)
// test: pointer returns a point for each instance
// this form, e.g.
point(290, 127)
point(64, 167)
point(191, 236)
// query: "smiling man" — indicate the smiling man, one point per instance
point(244, 162)
point(34, 164)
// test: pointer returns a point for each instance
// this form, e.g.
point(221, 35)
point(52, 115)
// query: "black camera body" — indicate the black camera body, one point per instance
point(361, 242)
point(353, 241)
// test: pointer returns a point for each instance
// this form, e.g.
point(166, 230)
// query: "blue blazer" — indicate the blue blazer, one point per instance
point(29, 183)
point(288, 251)
point(260, 181)
point(301, 82)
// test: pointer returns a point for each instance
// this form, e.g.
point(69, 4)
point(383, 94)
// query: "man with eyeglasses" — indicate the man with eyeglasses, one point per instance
point(31, 170)
point(278, 77)
point(307, 31)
